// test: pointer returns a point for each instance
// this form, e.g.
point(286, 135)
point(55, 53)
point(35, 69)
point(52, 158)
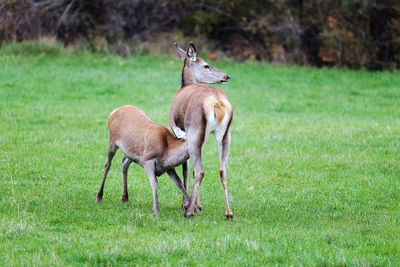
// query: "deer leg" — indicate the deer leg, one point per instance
point(223, 149)
point(185, 174)
point(112, 148)
point(150, 172)
point(174, 176)
point(198, 208)
point(198, 178)
point(195, 148)
point(125, 166)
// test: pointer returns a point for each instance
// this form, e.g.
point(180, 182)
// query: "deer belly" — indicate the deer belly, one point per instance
point(129, 154)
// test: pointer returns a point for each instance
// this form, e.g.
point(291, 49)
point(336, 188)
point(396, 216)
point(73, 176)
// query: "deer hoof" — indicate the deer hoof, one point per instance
point(125, 199)
point(198, 209)
point(99, 199)
point(229, 216)
point(188, 214)
point(156, 212)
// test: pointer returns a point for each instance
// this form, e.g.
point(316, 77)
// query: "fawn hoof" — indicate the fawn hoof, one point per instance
point(99, 199)
point(125, 199)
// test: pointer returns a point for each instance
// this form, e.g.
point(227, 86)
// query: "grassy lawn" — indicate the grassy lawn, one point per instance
point(313, 174)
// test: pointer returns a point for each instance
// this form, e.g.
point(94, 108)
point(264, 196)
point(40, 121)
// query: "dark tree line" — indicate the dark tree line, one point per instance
point(359, 33)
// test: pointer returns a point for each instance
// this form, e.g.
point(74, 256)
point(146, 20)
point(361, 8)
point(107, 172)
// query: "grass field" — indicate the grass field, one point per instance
point(313, 174)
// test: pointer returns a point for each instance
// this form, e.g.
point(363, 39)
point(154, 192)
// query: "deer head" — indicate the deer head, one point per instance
point(196, 70)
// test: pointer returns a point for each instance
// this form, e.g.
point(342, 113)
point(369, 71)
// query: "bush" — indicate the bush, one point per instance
point(342, 33)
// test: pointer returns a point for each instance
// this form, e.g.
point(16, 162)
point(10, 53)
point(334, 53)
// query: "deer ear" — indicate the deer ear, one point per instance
point(180, 52)
point(191, 52)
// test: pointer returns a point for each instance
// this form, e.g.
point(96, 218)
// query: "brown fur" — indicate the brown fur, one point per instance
point(190, 97)
point(149, 144)
point(191, 109)
point(140, 135)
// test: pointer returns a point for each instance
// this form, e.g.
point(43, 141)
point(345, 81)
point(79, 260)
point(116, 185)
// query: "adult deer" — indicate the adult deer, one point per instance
point(149, 144)
point(196, 111)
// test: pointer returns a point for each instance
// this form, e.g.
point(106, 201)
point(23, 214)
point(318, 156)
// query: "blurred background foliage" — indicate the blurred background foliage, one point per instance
point(359, 33)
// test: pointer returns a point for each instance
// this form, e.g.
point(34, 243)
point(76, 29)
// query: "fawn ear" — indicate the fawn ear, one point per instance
point(191, 52)
point(180, 52)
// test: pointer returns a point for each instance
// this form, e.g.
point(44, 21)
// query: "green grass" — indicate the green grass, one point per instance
point(313, 174)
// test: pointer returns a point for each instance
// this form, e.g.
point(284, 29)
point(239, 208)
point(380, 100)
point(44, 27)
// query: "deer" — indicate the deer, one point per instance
point(198, 110)
point(150, 145)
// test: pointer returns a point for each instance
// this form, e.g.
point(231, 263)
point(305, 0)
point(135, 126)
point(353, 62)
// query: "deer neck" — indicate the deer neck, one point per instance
point(177, 152)
point(187, 75)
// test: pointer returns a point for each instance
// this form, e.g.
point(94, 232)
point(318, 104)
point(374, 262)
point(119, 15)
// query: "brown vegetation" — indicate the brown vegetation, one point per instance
point(342, 33)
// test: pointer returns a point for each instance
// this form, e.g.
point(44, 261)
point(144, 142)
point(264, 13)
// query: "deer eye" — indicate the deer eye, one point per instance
point(207, 66)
